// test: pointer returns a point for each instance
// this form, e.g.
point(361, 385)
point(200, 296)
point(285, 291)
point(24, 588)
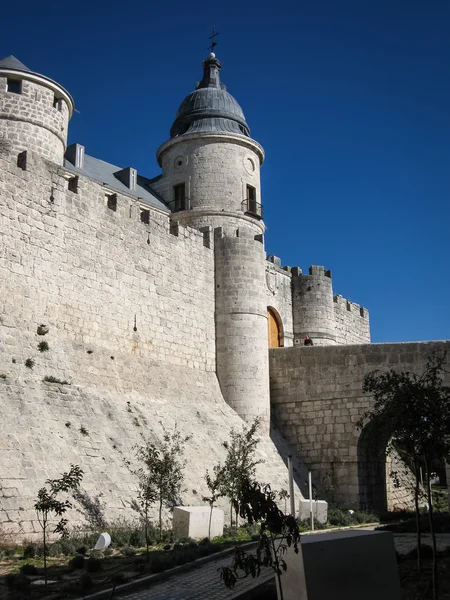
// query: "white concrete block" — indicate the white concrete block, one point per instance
point(193, 521)
point(320, 510)
point(343, 565)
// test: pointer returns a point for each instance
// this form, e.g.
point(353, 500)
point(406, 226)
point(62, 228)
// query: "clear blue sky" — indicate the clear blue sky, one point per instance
point(350, 99)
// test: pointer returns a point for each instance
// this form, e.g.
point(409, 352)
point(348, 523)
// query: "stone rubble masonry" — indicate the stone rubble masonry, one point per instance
point(29, 121)
point(317, 400)
point(130, 314)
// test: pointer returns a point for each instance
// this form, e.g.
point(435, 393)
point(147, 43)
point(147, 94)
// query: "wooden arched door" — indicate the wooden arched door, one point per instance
point(276, 337)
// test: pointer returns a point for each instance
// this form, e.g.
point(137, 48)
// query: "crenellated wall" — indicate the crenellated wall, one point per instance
point(351, 322)
point(96, 274)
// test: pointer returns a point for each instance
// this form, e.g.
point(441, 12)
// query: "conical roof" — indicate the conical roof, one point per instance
point(11, 62)
point(209, 108)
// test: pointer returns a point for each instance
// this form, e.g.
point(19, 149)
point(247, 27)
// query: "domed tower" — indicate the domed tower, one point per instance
point(34, 111)
point(211, 179)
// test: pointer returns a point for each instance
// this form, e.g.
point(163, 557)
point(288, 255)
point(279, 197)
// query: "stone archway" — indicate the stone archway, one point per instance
point(372, 469)
point(275, 328)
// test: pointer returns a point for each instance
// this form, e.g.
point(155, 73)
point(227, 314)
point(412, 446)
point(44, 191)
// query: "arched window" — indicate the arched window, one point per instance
point(275, 326)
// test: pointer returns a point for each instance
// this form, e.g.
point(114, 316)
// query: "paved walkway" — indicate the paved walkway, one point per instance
point(202, 582)
point(199, 583)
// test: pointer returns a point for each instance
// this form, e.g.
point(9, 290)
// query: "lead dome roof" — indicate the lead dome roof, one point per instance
point(209, 108)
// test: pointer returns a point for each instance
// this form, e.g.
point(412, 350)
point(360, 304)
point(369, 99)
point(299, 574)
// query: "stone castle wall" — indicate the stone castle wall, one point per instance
point(279, 296)
point(129, 309)
point(96, 275)
point(317, 400)
point(351, 322)
point(30, 121)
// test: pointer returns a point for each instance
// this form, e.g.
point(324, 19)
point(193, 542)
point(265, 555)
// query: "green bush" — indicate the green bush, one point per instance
point(28, 569)
point(30, 550)
point(128, 551)
point(77, 562)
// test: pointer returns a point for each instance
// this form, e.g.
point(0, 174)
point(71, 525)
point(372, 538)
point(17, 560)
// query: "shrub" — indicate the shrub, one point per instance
point(29, 363)
point(93, 565)
point(77, 562)
point(30, 550)
point(128, 551)
point(167, 547)
point(28, 569)
point(43, 347)
point(2, 376)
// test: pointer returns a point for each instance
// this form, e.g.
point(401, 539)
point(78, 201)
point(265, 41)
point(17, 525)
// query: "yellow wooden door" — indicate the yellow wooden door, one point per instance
point(274, 330)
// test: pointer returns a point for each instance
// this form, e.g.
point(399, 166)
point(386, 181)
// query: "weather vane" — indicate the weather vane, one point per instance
point(213, 41)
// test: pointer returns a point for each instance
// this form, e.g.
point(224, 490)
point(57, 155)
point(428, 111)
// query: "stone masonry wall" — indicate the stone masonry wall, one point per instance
point(129, 309)
point(351, 322)
point(317, 399)
point(95, 274)
point(215, 170)
point(29, 120)
point(279, 296)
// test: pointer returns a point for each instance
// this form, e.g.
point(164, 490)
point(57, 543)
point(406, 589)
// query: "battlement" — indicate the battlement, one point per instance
point(315, 270)
point(353, 307)
point(65, 188)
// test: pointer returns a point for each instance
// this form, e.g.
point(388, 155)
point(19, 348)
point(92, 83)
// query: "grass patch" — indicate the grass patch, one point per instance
point(29, 363)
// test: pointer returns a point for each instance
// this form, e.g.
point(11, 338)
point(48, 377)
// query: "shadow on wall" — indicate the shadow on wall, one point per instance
point(372, 468)
point(285, 449)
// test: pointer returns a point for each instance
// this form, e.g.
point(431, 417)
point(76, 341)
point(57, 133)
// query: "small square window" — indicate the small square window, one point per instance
point(111, 201)
point(14, 86)
point(145, 216)
point(72, 184)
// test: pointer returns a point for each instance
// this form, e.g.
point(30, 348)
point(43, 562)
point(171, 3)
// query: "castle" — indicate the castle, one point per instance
point(157, 303)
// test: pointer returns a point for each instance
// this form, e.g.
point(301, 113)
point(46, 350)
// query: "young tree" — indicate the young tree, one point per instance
point(240, 465)
point(147, 495)
point(278, 531)
point(161, 475)
point(415, 410)
point(48, 504)
point(215, 484)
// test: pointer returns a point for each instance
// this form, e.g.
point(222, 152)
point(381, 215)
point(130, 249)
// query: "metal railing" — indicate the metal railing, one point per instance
point(179, 204)
point(253, 208)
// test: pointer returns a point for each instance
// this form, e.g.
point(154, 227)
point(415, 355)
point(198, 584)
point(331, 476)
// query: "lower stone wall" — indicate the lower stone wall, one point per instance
point(317, 400)
point(110, 405)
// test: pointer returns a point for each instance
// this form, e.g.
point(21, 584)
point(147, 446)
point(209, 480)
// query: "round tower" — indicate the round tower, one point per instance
point(34, 111)
point(211, 179)
point(312, 306)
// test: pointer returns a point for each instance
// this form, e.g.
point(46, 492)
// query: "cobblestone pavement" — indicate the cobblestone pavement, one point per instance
point(199, 583)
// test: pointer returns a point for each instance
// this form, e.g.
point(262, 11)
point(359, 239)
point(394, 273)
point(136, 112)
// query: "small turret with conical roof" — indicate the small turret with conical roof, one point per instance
point(34, 111)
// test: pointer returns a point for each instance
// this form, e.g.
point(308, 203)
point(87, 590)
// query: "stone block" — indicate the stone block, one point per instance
point(345, 565)
point(320, 510)
point(193, 521)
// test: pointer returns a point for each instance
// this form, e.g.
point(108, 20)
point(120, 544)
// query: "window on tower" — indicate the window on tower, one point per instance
point(251, 206)
point(14, 86)
point(179, 197)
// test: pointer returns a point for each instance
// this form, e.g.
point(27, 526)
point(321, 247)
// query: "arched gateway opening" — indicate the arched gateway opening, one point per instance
point(385, 481)
point(275, 328)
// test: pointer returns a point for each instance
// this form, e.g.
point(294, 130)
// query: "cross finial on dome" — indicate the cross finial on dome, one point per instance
point(213, 41)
